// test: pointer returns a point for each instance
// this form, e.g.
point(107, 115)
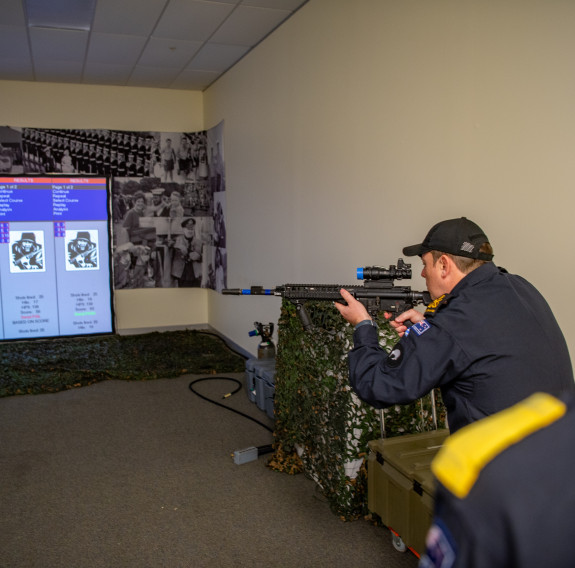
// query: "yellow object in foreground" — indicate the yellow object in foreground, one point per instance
point(464, 454)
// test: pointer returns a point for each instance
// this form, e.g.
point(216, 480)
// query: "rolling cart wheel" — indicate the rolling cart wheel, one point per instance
point(398, 543)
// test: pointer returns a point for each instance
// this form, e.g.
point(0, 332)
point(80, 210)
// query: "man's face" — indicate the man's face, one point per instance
point(432, 274)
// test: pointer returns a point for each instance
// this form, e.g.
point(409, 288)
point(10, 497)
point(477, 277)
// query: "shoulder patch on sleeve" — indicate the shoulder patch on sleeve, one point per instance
point(395, 356)
point(464, 454)
point(440, 548)
point(432, 307)
point(420, 327)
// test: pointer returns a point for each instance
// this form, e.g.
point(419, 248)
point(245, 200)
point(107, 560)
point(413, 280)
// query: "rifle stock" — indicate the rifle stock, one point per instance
point(377, 294)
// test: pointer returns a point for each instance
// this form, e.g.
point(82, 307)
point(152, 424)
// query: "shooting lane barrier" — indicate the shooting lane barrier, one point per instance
point(321, 427)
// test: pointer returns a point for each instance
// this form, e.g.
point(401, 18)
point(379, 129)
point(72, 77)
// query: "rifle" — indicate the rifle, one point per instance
point(377, 293)
point(84, 256)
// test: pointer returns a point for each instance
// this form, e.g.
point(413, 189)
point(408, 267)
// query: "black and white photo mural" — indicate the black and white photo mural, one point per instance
point(168, 196)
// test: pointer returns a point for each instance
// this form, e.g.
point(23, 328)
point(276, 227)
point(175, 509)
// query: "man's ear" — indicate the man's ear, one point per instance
point(446, 265)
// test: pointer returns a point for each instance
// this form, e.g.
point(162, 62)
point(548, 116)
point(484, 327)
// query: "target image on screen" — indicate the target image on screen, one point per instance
point(55, 267)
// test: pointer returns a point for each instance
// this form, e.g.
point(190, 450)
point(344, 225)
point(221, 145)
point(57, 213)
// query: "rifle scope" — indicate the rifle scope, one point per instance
point(402, 270)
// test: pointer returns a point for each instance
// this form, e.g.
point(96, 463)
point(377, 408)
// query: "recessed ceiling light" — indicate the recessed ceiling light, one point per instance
point(61, 14)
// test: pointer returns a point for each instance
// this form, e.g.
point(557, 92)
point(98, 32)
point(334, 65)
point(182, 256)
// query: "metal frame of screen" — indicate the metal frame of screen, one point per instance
point(55, 257)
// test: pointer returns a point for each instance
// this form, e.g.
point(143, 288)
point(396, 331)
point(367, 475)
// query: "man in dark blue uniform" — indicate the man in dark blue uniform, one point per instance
point(488, 339)
point(505, 496)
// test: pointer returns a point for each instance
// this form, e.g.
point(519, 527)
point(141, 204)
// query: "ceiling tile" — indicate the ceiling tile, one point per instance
point(194, 80)
point(173, 53)
point(132, 17)
point(115, 49)
point(290, 5)
point(14, 42)
point(160, 77)
point(58, 45)
point(12, 13)
point(66, 14)
point(248, 26)
point(191, 20)
point(16, 69)
point(215, 57)
point(58, 71)
point(107, 73)
point(175, 44)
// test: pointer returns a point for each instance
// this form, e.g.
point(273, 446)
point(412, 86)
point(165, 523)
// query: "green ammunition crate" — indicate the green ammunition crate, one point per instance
point(400, 485)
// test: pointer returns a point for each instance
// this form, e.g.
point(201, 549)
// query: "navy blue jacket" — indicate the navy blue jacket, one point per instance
point(520, 510)
point(491, 343)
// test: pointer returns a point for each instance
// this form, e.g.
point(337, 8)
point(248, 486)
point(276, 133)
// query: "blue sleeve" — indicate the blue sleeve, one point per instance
point(426, 358)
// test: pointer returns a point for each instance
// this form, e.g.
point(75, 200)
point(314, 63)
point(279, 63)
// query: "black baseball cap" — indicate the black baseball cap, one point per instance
point(460, 237)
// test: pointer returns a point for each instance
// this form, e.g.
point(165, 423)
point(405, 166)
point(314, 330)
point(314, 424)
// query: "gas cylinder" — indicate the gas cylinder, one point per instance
point(266, 347)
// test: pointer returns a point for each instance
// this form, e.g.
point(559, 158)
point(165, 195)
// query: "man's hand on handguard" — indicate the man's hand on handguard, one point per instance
point(355, 311)
point(398, 323)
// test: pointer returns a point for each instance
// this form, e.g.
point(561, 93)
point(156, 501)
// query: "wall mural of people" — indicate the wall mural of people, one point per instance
point(168, 190)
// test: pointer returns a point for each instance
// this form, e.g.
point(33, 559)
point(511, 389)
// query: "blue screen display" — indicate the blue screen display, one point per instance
point(55, 268)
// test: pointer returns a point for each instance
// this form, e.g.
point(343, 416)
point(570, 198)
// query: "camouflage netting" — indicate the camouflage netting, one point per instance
point(322, 428)
point(52, 365)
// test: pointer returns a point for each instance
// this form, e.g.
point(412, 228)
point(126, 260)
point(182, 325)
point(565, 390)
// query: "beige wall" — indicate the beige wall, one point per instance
point(352, 129)
point(358, 124)
point(45, 105)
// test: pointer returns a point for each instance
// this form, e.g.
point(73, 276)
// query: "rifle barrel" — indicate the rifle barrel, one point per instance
point(330, 292)
point(253, 291)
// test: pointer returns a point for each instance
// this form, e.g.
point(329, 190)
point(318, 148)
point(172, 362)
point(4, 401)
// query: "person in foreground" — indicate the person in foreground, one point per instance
point(504, 495)
point(488, 339)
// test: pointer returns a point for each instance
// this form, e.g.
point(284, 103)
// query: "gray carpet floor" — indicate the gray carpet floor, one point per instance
point(141, 474)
